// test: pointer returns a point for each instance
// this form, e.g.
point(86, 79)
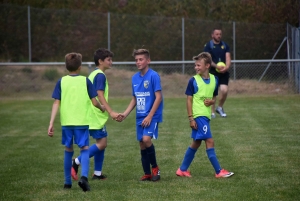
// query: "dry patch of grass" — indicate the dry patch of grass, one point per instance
point(30, 82)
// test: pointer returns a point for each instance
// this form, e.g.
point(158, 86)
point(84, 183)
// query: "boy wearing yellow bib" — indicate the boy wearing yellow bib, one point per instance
point(201, 90)
point(97, 119)
point(73, 94)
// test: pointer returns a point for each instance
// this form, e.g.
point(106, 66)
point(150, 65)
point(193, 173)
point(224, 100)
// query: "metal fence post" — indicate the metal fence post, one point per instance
point(182, 27)
point(234, 69)
point(29, 33)
point(272, 59)
point(108, 30)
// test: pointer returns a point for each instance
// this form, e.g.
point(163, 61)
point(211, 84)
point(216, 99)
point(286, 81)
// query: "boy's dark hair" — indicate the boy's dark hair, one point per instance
point(102, 53)
point(203, 56)
point(73, 61)
point(141, 51)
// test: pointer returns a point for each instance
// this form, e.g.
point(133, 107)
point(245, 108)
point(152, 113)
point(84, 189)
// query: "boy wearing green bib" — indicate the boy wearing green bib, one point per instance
point(201, 90)
point(97, 120)
point(73, 94)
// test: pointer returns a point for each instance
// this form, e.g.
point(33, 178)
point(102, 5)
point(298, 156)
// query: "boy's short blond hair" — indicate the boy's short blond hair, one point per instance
point(141, 51)
point(73, 61)
point(205, 56)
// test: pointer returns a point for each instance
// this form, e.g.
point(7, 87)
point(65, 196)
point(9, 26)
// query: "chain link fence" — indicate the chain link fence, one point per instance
point(44, 36)
point(37, 80)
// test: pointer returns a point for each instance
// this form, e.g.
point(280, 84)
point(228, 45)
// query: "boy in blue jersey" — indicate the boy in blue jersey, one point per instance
point(201, 90)
point(103, 61)
point(73, 94)
point(220, 52)
point(148, 100)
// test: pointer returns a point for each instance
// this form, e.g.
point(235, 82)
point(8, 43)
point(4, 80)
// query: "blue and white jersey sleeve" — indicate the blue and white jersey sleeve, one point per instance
point(192, 87)
point(156, 82)
point(57, 91)
point(100, 82)
point(91, 89)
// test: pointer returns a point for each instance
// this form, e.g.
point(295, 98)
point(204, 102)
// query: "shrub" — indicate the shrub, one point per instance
point(51, 74)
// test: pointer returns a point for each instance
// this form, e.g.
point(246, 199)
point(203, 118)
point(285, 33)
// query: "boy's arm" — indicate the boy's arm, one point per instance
point(208, 102)
point(97, 104)
point(189, 107)
point(130, 107)
point(158, 98)
point(55, 107)
point(102, 100)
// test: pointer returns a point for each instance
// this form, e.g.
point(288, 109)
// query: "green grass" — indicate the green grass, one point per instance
point(259, 141)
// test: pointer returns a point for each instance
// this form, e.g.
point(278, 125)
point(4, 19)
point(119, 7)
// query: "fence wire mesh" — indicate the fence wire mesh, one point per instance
point(246, 78)
point(54, 32)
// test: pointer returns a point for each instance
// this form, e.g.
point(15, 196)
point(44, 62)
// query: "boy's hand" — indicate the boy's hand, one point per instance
point(114, 115)
point(50, 131)
point(120, 117)
point(146, 122)
point(208, 102)
point(193, 124)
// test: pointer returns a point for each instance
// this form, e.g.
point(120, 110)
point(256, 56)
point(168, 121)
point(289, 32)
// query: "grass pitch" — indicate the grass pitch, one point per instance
point(258, 141)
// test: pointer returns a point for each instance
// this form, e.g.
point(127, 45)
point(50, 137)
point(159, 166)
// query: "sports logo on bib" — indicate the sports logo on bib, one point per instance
point(146, 84)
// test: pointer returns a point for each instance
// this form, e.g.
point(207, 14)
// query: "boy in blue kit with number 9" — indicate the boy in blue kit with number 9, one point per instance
point(148, 99)
point(73, 94)
point(201, 90)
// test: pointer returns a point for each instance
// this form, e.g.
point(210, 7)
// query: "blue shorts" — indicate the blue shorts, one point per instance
point(151, 130)
point(99, 133)
point(80, 134)
point(203, 132)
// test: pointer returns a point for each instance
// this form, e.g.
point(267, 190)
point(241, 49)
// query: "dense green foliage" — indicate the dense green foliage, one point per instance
point(254, 11)
point(58, 27)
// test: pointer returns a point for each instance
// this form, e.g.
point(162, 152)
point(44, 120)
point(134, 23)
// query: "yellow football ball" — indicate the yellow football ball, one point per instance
point(220, 64)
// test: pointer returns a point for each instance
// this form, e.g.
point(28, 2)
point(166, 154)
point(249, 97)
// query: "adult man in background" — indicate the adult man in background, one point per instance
point(221, 60)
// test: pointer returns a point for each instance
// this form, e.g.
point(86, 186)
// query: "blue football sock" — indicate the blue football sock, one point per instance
point(85, 162)
point(188, 158)
point(145, 161)
point(98, 160)
point(92, 151)
point(213, 159)
point(151, 155)
point(68, 166)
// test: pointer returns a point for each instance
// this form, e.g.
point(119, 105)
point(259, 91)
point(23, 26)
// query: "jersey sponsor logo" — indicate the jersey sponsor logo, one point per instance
point(142, 93)
point(135, 85)
point(141, 104)
point(146, 84)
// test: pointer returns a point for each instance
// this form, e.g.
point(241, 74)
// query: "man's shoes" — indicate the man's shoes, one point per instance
point(84, 184)
point(224, 173)
point(155, 174)
point(67, 186)
point(213, 115)
point(74, 170)
point(220, 111)
point(101, 177)
point(146, 177)
point(181, 173)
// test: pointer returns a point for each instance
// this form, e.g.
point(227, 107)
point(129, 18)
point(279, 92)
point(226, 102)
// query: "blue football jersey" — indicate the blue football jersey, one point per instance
point(143, 89)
